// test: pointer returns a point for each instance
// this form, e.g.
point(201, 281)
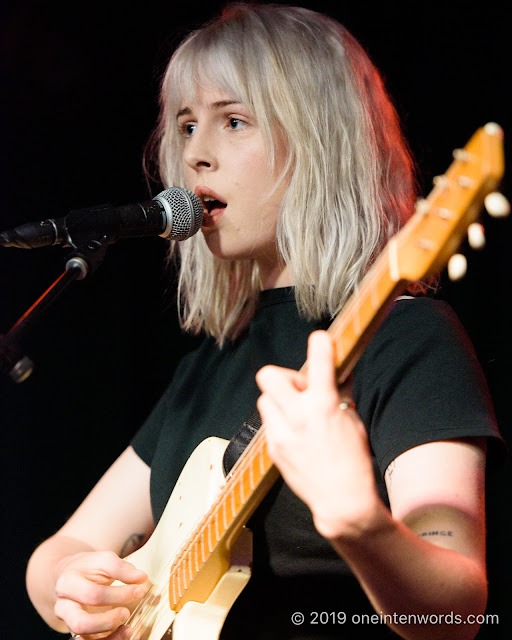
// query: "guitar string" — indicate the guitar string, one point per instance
point(156, 590)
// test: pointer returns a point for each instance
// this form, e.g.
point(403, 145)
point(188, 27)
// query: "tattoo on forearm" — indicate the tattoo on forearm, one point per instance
point(132, 544)
point(438, 532)
point(389, 470)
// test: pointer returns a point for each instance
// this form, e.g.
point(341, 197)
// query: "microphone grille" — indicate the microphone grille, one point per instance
point(186, 211)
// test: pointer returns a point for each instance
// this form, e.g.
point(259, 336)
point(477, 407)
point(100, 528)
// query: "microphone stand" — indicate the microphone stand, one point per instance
point(85, 258)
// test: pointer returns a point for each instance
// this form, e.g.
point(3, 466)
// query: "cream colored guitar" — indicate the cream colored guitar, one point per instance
point(198, 558)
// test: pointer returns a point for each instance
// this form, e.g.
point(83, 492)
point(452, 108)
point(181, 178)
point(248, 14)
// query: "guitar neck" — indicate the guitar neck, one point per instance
point(245, 487)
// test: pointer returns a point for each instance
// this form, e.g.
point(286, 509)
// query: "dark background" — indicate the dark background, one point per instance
point(79, 84)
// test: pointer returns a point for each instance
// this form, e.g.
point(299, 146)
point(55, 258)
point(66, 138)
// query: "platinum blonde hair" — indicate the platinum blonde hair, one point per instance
point(349, 173)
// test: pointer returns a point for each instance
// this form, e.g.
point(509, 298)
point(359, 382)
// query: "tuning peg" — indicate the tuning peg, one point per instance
point(457, 266)
point(497, 205)
point(476, 235)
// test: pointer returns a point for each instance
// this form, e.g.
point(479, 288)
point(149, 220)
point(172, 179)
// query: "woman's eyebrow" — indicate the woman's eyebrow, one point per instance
point(219, 104)
point(183, 112)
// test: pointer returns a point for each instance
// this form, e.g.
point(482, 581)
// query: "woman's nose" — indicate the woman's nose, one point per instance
point(199, 152)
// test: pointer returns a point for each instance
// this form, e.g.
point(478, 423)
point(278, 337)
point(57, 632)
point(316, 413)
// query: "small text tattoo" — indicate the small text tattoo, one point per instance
point(132, 544)
point(436, 533)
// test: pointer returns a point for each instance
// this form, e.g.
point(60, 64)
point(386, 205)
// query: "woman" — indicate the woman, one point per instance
point(278, 121)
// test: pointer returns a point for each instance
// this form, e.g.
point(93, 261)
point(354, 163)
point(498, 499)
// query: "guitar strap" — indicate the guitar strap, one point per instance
point(239, 442)
point(246, 433)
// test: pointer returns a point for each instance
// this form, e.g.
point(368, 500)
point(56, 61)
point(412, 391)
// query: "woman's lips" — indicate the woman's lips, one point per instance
point(213, 205)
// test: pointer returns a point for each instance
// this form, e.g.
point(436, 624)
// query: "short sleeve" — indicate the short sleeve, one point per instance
point(146, 439)
point(419, 381)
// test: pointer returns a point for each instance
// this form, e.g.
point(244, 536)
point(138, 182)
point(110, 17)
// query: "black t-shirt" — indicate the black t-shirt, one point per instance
point(417, 381)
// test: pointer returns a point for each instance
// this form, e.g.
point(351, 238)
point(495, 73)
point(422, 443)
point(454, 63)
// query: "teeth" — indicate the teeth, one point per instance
point(208, 199)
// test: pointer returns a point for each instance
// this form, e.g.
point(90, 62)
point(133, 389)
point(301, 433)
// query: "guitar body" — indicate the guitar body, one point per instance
point(217, 585)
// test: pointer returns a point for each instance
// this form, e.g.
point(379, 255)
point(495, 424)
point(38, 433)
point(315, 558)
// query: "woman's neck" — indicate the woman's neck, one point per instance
point(274, 276)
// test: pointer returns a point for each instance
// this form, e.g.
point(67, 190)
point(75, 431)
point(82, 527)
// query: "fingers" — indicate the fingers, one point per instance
point(86, 581)
point(270, 376)
point(79, 588)
point(87, 623)
point(269, 411)
point(103, 566)
point(279, 384)
point(320, 371)
point(282, 384)
point(125, 571)
point(89, 578)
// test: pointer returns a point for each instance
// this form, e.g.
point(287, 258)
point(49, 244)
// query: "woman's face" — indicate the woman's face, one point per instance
point(226, 165)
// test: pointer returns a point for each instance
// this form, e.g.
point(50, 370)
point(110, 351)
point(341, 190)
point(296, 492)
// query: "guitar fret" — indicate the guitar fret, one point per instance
point(210, 548)
point(202, 547)
point(251, 477)
point(190, 574)
point(262, 467)
point(217, 534)
point(184, 574)
point(182, 582)
point(179, 582)
point(242, 496)
point(224, 516)
point(173, 581)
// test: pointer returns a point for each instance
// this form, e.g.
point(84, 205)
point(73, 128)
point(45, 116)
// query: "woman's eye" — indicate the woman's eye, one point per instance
point(188, 129)
point(235, 123)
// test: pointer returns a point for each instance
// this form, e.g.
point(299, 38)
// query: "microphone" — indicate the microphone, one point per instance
point(174, 213)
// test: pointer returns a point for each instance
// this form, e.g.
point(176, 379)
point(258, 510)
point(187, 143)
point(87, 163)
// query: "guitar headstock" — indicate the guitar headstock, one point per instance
point(441, 221)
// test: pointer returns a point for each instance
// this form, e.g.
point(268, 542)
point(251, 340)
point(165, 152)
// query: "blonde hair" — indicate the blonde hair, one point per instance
point(350, 174)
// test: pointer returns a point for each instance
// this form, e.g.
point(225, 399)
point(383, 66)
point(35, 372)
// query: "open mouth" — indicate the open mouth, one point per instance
point(213, 208)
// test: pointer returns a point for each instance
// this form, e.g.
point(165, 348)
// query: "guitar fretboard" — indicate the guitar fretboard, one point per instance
point(239, 496)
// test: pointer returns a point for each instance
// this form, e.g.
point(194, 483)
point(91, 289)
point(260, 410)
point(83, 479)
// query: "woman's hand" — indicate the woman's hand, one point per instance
point(86, 599)
point(320, 449)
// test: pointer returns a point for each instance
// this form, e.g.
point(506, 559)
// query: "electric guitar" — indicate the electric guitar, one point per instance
point(198, 558)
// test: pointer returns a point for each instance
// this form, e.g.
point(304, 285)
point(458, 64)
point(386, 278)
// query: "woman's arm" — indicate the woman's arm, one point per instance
point(403, 566)
point(426, 557)
point(74, 568)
